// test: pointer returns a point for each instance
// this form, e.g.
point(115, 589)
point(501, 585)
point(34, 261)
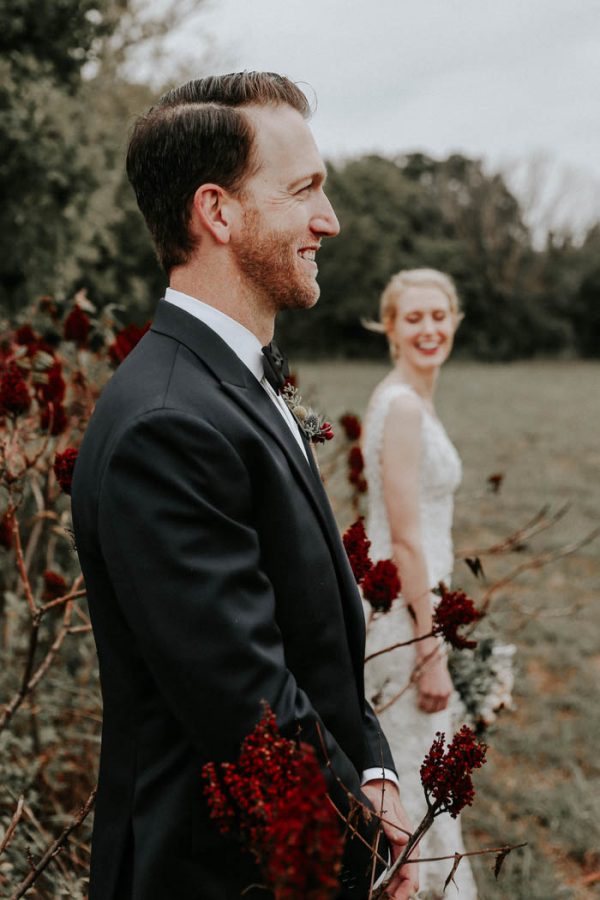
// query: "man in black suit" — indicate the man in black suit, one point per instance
point(215, 573)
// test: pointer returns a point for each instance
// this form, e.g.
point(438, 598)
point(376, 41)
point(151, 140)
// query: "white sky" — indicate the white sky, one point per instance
point(501, 79)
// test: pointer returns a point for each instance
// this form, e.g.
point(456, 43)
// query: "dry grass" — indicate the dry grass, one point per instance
point(538, 424)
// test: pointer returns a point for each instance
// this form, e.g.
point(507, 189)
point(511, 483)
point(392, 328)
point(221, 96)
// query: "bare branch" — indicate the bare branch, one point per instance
point(54, 848)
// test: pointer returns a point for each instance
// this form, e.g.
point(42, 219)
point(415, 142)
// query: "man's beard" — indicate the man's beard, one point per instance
point(269, 261)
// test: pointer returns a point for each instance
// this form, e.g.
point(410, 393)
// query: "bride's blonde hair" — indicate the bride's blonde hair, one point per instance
point(399, 283)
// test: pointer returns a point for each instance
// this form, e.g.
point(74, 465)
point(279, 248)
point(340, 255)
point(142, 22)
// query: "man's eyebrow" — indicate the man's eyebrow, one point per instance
point(318, 177)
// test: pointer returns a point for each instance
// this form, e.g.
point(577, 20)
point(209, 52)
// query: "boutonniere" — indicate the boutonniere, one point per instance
point(314, 426)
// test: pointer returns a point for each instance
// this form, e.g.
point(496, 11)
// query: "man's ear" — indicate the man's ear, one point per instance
point(213, 210)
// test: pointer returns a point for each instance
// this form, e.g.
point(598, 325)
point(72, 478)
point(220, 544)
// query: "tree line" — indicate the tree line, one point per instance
point(69, 219)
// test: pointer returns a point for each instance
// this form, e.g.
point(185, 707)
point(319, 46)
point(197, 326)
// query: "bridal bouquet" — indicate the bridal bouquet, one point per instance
point(484, 678)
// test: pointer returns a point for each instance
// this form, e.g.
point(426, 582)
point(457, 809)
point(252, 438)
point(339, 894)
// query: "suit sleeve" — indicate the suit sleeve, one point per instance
point(175, 523)
point(378, 754)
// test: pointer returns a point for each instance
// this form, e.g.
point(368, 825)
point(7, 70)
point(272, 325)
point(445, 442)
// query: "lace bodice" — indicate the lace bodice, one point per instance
point(440, 475)
point(410, 732)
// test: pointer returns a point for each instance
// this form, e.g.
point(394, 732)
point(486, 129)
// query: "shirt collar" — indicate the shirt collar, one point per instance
point(244, 344)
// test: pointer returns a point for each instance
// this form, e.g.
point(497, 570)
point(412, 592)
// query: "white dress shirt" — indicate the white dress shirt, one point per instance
point(246, 347)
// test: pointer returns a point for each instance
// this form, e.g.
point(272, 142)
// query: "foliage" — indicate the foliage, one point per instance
point(52, 368)
point(69, 219)
point(454, 215)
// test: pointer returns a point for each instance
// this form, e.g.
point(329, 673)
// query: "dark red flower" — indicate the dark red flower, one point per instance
point(454, 610)
point(381, 585)
point(77, 326)
point(446, 774)
point(64, 464)
point(51, 386)
point(292, 380)
point(53, 418)
point(54, 586)
point(351, 425)
point(325, 433)
point(357, 547)
point(274, 799)
point(356, 461)
point(6, 531)
point(125, 340)
point(25, 335)
point(14, 393)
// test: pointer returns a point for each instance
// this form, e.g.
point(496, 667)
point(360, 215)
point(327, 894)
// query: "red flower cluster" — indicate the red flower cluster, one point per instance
point(64, 464)
point(325, 433)
point(77, 326)
point(351, 425)
point(274, 798)
point(356, 465)
point(357, 547)
point(446, 775)
point(50, 390)
point(381, 585)
point(125, 340)
point(25, 336)
point(454, 610)
point(54, 586)
point(14, 393)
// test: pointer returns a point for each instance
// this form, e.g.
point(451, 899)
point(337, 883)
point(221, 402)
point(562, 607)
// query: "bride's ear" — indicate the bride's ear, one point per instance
point(458, 317)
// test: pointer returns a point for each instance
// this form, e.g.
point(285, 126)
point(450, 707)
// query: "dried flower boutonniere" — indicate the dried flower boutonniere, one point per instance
point(314, 426)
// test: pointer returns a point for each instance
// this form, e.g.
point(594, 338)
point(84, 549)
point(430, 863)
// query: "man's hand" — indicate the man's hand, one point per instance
point(385, 799)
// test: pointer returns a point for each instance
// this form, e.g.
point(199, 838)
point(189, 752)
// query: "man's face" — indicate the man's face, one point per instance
point(285, 211)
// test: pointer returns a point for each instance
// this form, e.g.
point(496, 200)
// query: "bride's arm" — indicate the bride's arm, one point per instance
point(401, 467)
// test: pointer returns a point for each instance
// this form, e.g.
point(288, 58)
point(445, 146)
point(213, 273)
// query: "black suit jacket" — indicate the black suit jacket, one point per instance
point(216, 579)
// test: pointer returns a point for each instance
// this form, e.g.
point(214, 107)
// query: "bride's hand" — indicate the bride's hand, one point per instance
point(434, 686)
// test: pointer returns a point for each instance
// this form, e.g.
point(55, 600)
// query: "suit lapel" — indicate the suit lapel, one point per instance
point(239, 384)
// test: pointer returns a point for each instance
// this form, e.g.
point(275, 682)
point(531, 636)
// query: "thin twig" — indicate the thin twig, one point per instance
point(54, 848)
point(415, 640)
point(21, 565)
point(17, 815)
point(412, 680)
point(543, 559)
point(540, 522)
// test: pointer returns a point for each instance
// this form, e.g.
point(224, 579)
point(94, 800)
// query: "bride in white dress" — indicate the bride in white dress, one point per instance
point(413, 470)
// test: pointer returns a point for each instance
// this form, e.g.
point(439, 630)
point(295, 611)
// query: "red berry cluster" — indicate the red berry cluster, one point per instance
point(54, 586)
point(125, 340)
point(77, 326)
point(274, 799)
point(64, 465)
point(381, 585)
point(15, 398)
point(351, 425)
point(380, 582)
point(454, 610)
point(357, 546)
point(325, 433)
point(446, 773)
point(356, 464)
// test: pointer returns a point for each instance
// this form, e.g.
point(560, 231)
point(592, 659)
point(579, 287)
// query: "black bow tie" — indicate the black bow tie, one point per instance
point(275, 366)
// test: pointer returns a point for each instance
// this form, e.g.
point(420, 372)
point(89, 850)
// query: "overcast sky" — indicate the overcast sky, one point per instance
point(502, 79)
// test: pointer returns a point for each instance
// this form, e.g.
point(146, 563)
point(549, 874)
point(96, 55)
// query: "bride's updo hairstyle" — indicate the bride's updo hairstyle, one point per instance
point(401, 282)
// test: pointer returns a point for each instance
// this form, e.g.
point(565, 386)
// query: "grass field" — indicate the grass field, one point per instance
point(537, 423)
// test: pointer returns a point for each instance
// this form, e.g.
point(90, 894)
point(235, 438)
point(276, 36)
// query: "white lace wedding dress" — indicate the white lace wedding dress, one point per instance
point(410, 731)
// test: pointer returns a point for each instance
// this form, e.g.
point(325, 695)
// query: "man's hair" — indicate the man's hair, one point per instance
point(196, 135)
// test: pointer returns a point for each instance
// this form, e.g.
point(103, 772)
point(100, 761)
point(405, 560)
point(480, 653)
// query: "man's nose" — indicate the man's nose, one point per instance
point(325, 222)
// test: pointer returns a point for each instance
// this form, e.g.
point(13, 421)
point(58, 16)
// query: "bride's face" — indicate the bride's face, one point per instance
point(424, 328)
